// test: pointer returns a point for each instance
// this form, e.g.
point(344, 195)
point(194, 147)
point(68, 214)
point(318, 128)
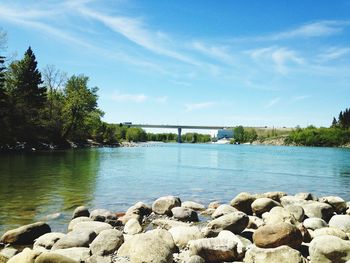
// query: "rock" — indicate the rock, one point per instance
point(208, 212)
point(243, 202)
point(140, 209)
point(255, 222)
point(26, 256)
point(95, 226)
point(338, 203)
point(314, 223)
point(168, 223)
point(329, 249)
point(223, 210)
point(184, 214)
point(318, 209)
point(81, 211)
point(262, 205)
point(241, 247)
point(156, 246)
point(100, 259)
point(77, 220)
point(278, 214)
point(292, 200)
point(214, 249)
point(271, 236)
point(213, 205)
point(107, 242)
point(193, 205)
point(341, 222)
point(8, 252)
point(282, 254)
point(331, 231)
point(235, 222)
point(51, 257)
point(125, 218)
point(48, 240)
point(79, 254)
point(196, 259)
point(76, 238)
point(276, 196)
point(25, 234)
point(163, 205)
point(132, 227)
point(3, 259)
point(101, 215)
point(297, 211)
point(306, 196)
point(182, 235)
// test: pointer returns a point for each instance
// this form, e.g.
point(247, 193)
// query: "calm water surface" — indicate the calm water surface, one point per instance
point(36, 185)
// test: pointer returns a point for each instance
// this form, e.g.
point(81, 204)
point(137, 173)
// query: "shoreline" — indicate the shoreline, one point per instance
point(274, 226)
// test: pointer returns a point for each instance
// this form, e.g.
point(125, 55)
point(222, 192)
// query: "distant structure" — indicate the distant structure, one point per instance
point(225, 134)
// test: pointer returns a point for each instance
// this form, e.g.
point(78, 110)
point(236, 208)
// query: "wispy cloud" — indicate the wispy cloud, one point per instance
point(299, 98)
point(199, 106)
point(120, 97)
point(334, 53)
point(216, 52)
point(272, 102)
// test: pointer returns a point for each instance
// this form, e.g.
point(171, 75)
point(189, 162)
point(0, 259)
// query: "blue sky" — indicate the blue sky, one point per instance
point(256, 63)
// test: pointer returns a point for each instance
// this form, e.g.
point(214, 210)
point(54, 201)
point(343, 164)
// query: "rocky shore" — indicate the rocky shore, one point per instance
point(270, 227)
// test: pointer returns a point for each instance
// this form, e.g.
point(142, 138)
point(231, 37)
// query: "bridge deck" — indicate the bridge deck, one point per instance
point(177, 126)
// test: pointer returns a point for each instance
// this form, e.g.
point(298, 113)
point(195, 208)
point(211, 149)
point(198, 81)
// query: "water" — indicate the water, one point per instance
point(36, 185)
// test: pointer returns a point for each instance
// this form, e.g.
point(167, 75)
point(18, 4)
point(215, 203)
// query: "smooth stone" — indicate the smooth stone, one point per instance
point(168, 223)
point(235, 222)
point(8, 252)
point(341, 222)
point(297, 211)
point(95, 226)
point(195, 259)
point(156, 246)
point(26, 256)
point(318, 209)
point(208, 212)
point(242, 243)
point(125, 218)
point(182, 235)
point(329, 249)
point(47, 240)
point(100, 259)
point(281, 254)
point(81, 211)
point(102, 215)
point(25, 235)
point(243, 202)
point(213, 205)
point(278, 214)
point(184, 214)
point(292, 200)
point(276, 196)
point(140, 209)
point(75, 238)
point(214, 249)
point(262, 205)
point(51, 257)
point(255, 222)
point(336, 202)
point(331, 231)
point(77, 220)
point(79, 254)
point(306, 196)
point(314, 223)
point(107, 242)
point(223, 210)
point(271, 236)
point(3, 259)
point(193, 205)
point(163, 205)
point(132, 227)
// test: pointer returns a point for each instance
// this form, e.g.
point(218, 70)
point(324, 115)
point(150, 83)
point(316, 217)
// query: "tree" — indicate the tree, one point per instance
point(238, 134)
point(334, 122)
point(80, 108)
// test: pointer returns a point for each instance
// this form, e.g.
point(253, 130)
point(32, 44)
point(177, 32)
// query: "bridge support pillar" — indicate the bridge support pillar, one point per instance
point(179, 135)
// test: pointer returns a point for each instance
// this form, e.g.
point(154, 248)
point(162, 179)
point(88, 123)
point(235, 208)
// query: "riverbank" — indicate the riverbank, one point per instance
point(253, 228)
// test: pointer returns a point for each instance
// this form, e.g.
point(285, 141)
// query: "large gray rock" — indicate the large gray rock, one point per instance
point(102, 215)
point(292, 200)
point(279, 214)
point(214, 249)
point(193, 205)
point(341, 222)
point(297, 211)
point(95, 226)
point(156, 246)
point(76, 238)
point(48, 240)
point(329, 249)
point(163, 205)
point(338, 203)
point(255, 222)
point(107, 242)
point(132, 227)
point(282, 254)
point(79, 254)
point(102, 259)
point(314, 223)
point(182, 235)
point(276, 196)
point(243, 202)
point(8, 252)
point(168, 223)
point(184, 214)
point(235, 222)
point(25, 234)
point(77, 220)
point(306, 196)
point(140, 209)
point(26, 256)
point(271, 236)
point(330, 231)
point(318, 209)
point(242, 243)
point(51, 257)
point(262, 205)
point(223, 210)
point(81, 211)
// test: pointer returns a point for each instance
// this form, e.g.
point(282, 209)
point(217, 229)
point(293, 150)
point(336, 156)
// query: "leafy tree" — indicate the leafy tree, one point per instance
point(238, 134)
point(135, 134)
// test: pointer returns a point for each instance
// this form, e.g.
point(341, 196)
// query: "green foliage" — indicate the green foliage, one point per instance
point(162, 137)
point(134, 134)
point(195, 138)
point(242, 135)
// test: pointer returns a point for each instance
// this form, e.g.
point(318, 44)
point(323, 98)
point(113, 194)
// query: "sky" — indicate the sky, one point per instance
point(200, 62)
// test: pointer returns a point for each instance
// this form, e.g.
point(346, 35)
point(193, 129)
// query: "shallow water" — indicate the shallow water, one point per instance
point(36, 185)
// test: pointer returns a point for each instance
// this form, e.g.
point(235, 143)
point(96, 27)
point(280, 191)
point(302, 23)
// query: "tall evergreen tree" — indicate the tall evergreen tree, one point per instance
point(334, 122)
point(3, 103)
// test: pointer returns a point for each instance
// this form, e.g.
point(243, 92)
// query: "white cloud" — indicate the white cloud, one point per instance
point(272, 102)
point(138, 98)
point(199, 106)
point(334, 53)
point(299, 98)
point(219, 53)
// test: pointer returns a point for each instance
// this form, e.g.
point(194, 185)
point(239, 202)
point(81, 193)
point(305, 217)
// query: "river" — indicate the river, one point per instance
point(36, 186)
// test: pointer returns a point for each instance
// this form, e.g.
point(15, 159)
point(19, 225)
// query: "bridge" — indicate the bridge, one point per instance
point(178, 127)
